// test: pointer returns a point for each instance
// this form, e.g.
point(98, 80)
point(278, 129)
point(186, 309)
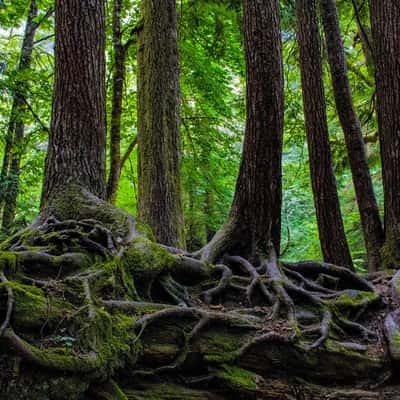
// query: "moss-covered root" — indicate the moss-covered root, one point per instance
point(109, 390)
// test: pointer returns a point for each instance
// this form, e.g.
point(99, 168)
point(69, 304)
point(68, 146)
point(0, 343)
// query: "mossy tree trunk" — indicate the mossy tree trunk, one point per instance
point(77, 144)
point(367, 204)
point(385, 16)
point(159, 139)
point(16, 127)
point(254, 222)
point(332, 236)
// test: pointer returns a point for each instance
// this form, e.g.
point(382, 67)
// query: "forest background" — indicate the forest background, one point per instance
point(213, 116)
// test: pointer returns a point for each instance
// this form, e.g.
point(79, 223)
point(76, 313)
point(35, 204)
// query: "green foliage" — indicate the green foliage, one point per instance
point(213, 117)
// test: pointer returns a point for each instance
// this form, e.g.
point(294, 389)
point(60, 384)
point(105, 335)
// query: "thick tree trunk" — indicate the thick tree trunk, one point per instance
point(159, 147)
point(254, 221)
point(15, 134)
point(76, 152)
point(367, 204)
point(385, 17)
point(330, 224)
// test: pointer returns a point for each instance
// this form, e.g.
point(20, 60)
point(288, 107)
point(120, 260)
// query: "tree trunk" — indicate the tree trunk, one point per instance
point(330, 224)
point(159, 147)
point(368, 207)
point(385, 17)
point(15, 134)
point(76, 152)
point(119, 72)
point(361, 11)
point(254, 221)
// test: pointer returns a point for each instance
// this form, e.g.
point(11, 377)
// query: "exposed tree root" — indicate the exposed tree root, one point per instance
point(78, 264)
point(10, 305)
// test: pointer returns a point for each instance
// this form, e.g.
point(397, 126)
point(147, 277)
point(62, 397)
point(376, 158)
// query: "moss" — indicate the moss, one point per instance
point(145, 231)
point(220, 346)
point(8, 262)
point(108, 391)
point(355, 299)
point(390, 253)
point(165, 392)
point(33, 309)
point(238, 378)
point(146, 259)
point(77, 203)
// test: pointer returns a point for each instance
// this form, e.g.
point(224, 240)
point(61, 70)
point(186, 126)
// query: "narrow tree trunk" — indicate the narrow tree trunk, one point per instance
point(159, 147)
point(12, 190)
point(15, 133)
point(367, 205)
point(385, 17)
point(365, 35)
point(76, 152)
point(330, 224)
point(255, 218)
point(119, 72)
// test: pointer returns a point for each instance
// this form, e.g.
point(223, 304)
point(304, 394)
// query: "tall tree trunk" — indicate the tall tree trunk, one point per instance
point(119, 72)
point(16, 127)
point(76, 153)
point(159, 147)
point(330, 224)
point(255, 217)
point(367, 205)
point(385, 17)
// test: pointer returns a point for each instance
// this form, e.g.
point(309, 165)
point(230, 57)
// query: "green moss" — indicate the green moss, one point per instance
point(146, 259)
point(33, 309)
point(145, 231)
point(390, 252)
point(220, 346)
point(238, 378)
point(8, 262)
point(165, 392)
point(396, 340)
point(109, 391)
point(355, 298)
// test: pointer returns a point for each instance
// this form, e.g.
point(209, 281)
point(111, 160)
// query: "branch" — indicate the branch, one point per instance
point(128, 152)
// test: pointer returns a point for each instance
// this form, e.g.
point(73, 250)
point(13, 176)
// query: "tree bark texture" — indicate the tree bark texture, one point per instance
point(385, 17)
point(159, 147)
point(256, 207)
point(330, 224)
point(367, 204)
point(15, 135)
point(78, 116)
point(254, 222)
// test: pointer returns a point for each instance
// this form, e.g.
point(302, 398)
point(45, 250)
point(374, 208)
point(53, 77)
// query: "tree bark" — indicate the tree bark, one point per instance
point(385, 17)
point(15, 134)
point(119, 72)
point(330, 224)
point(76, 152)
point(159, 147)
point(254, 222)
point(367, 204)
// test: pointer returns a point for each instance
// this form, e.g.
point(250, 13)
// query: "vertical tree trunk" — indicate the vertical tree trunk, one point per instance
point(76, 152)
point(330, 224)
point(364, 31)
point(255, 218)
point(367, 205)
point(119, 72)
point(15, 134)
point(385, 23)
point(159, 147)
